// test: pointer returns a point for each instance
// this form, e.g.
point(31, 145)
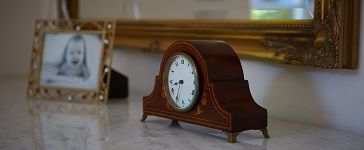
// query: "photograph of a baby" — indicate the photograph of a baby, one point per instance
point(74, 59)
point(71, 60)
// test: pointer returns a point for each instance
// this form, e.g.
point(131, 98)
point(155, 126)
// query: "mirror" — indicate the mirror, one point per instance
point(315, 33)
point(198, 9)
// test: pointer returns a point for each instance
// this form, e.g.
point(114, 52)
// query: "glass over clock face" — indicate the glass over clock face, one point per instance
point(181, 82)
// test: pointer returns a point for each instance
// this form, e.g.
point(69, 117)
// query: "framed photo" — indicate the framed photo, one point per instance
point(63, 125)
point(71, 60)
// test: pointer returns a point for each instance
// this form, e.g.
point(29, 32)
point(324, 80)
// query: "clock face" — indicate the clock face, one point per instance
point(181, 82)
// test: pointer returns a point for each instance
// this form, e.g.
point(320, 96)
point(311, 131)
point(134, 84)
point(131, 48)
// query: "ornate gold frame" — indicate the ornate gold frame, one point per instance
point(99, 95)
point(330, 40)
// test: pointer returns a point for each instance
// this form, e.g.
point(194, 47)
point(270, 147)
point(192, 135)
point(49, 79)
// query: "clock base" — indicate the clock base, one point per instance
point(144, 117)
point(231, 136)
point(175, 124)
point(265, 133)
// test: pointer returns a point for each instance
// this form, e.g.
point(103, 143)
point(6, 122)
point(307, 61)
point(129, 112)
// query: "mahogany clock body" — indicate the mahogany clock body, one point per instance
point(224, 101)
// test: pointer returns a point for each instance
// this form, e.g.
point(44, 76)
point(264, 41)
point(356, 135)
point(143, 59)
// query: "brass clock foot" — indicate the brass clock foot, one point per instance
point(231, 136)
point(144, 117)
point(265, 133)
point(175, 124)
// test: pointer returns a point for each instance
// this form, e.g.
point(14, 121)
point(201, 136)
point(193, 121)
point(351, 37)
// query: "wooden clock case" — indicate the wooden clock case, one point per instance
point(224, 101)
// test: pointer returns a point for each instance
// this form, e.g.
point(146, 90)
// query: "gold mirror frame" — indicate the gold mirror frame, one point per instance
point(329, 41)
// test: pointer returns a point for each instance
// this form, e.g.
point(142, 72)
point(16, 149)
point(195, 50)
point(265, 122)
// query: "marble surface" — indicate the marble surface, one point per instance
point(43, 124)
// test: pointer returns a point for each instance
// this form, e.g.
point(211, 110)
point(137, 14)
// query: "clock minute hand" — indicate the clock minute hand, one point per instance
point(179, 85)
point(178, 92)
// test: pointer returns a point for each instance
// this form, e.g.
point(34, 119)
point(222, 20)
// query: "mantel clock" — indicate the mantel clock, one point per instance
point(202, 82)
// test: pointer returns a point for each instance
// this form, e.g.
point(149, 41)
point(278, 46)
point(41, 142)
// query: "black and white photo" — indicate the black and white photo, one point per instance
point(71, 60)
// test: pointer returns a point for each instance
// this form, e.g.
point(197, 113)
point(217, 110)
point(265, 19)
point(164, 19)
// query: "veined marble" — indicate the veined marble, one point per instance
point(43, 124)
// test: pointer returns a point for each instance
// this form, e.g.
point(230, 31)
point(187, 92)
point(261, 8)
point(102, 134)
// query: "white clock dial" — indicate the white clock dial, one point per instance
point(181, 82)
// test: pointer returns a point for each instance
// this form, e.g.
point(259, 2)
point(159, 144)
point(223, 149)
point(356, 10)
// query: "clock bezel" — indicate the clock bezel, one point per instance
point(165, 80)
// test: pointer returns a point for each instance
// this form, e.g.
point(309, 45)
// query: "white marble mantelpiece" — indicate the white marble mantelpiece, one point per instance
point(61, 125)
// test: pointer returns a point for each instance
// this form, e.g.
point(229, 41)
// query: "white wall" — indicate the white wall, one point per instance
point(16, 28)
point(333, 98)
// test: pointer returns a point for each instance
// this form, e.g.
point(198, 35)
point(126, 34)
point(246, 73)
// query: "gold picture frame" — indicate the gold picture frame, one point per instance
point(330, 40)
point(71, 60)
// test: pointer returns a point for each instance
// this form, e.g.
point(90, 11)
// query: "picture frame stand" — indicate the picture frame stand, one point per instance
point(118, 87)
